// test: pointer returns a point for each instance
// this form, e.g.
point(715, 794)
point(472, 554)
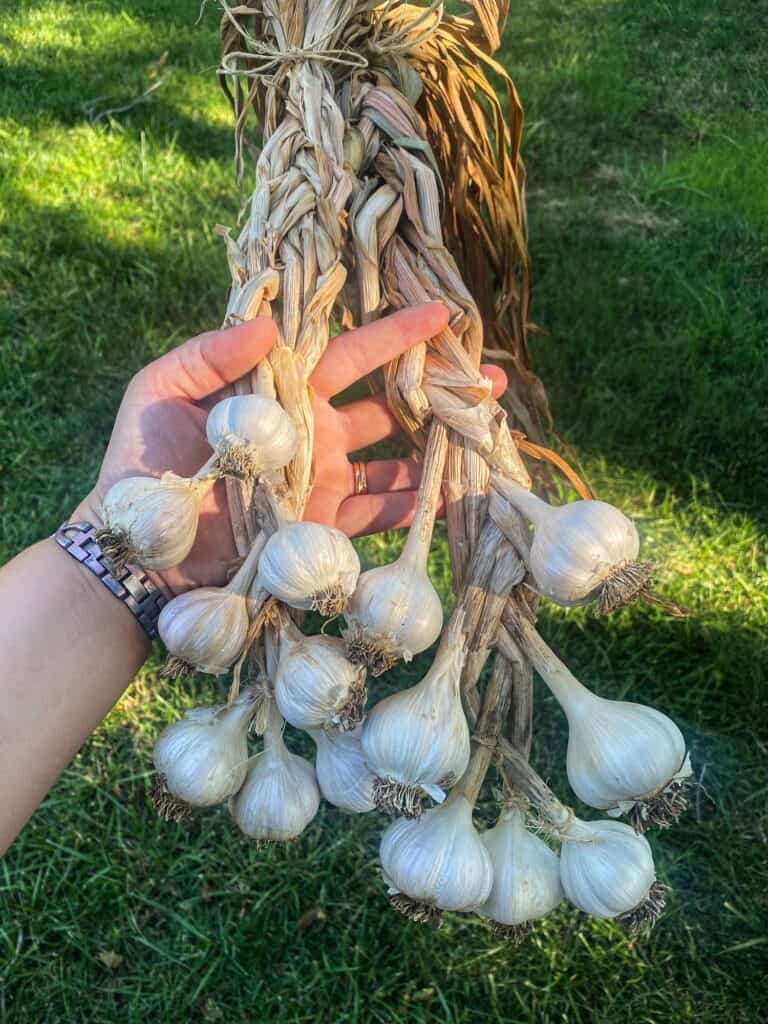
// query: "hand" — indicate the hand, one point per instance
point(161, 425)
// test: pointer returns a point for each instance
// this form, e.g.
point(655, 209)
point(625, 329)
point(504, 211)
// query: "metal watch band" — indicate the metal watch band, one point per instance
point(132, 586)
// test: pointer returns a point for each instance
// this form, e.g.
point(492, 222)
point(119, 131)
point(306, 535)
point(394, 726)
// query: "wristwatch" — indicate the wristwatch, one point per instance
point(132, 586)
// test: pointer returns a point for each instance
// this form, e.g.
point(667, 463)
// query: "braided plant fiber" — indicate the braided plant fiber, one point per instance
point(381, 172)
point(383, 139)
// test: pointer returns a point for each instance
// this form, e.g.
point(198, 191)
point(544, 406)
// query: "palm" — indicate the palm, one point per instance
point(161, 426)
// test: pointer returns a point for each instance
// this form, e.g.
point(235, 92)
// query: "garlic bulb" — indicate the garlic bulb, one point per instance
point(526, 875)
point(622, 757)
point(251, 434)
point(583, 551)
point(310, 566)
point(152, 521)
point(202, 759)
point(417, 741)
point(206, 629)
point(607, 870)
point(344, 778)
point(279, 797)
point(395, 612)
point(437, 863)
point(315, 684)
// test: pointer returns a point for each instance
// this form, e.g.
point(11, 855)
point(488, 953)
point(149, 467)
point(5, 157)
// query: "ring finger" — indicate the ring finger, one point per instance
point(384, 475)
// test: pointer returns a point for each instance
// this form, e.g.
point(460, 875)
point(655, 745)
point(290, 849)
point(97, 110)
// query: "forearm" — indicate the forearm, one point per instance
point(68, 649)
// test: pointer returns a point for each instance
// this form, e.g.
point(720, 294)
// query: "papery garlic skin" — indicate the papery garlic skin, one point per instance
point(620, 753)
point(417, 740)
point(205, 628)
point(622, 757)
point(203, 758)
point(342, 774)
point(577, 547)
point(438, 861)
point(315, 684)
point(394, 613)
point(526, 873)
point(151, 521)
point(251, 434)
point(607, 869)
point(582, 551)
point(280, 796)
point(310, 567)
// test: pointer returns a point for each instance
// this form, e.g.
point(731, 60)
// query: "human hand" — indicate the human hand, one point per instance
point(161, 425)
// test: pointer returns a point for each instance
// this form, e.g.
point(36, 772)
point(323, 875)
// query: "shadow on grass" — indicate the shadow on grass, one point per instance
point(71, 85)
point(648, 246)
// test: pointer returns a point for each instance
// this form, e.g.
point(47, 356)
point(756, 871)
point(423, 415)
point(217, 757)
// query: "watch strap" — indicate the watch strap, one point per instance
point(132, 586)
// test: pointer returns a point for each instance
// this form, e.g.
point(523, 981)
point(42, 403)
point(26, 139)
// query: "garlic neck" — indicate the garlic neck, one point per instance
point(471, 782)
point(572, 695)
point(290, 634)
point(533, 508)
point(273, 730)
point(450, 656)
point(245, 575)
point(417, 545)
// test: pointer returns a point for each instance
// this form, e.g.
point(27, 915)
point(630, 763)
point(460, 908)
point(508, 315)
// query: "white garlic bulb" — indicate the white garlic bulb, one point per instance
point(315, 683)
point(622, 757)
point(203, 758)
point(394, 613)
point(436, 863)
point(151, 521)
point(583, 551)
point(607, 870)
point(417, 741)
point(280, 796)
point(251, 434)
point(310, 566)
point(344, 778)
point(206, 629)
point(526, 874)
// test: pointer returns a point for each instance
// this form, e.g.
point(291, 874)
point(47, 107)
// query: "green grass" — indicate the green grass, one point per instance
point(646, 148)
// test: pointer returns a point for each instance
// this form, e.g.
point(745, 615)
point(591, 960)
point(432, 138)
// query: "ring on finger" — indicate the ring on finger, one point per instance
point(360, 478)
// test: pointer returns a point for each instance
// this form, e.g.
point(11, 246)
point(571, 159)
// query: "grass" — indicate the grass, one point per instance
point(646, 147)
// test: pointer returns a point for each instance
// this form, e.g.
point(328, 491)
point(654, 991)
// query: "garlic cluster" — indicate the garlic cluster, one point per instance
point(251, 434)
point(436, 863)
point(342, 774)
point(622, 757)
point(206, 629)
point(203, 758)
point(526, 875)
point(607, 871)
point(583, 551)
point(279, 797)
point(315, 684)
point(310, 567)
point(416, 741)
point(152, 521)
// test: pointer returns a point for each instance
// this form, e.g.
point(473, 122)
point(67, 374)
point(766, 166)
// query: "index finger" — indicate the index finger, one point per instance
point(356, 353)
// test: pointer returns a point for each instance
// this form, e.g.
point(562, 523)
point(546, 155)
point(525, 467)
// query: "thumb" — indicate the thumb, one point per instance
point(208, 362)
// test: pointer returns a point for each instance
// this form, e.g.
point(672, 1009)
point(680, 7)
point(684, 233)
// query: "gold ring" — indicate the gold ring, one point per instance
point(361, 477)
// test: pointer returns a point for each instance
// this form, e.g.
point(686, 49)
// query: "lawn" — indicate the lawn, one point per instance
point(646, 147)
